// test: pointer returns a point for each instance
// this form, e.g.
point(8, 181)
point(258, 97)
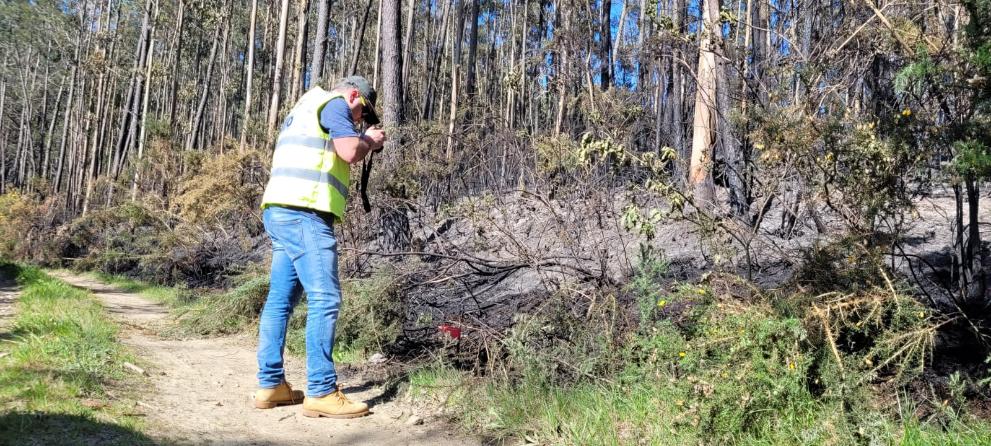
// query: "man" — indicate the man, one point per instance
point(305, 197)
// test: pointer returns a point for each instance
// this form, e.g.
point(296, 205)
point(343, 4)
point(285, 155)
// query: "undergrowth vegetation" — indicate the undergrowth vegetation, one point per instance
point(713, 363)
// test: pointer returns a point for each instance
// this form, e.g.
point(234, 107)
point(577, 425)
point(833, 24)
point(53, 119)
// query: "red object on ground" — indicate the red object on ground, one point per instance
point(450, 330)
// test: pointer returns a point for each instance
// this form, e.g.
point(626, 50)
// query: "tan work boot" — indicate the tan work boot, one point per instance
point(333, 405)
point(280, 395)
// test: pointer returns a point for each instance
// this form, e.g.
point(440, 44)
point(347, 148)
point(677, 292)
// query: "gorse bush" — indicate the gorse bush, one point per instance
point(24, 226)
point(224, 189)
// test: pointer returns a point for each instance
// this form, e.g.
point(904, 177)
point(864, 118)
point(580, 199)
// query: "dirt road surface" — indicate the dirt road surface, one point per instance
point(202, 390)
point(8, 296)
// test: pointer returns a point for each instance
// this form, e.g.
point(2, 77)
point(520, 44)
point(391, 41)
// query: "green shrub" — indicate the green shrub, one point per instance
point(227, 312)
point(645, 285)
point(371, 313)
point(117, 240)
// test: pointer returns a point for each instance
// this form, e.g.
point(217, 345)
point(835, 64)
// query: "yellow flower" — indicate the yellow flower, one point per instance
point(791, 365)
point(725, 375)
point(922, 314)
point(681, 354)
point(700, 291)
point(907, 112)
point(661, 303)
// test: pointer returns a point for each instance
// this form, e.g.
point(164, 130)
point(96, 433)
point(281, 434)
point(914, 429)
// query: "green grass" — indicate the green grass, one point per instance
point(438, 381)
point(654, 410)
point(958, 433)
point(64, 352)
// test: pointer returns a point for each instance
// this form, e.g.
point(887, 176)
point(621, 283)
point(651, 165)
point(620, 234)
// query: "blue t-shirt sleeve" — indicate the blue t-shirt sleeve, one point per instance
point(335, 118)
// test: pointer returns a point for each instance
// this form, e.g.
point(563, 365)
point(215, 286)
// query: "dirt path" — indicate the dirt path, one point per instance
point(8, 304)
point(8, 297)
point(202, 390)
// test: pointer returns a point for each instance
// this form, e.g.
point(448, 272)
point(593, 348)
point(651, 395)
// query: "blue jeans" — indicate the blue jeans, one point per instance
point(304, 257)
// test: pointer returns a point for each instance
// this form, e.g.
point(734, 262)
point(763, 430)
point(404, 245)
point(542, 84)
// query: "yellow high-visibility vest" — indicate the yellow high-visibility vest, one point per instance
point(306, 172)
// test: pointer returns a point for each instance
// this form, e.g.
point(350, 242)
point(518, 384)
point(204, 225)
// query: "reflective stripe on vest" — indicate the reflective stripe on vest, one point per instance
point(305, 170)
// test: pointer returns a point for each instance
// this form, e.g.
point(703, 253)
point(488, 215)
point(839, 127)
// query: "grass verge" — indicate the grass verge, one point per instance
point(62, 377)
point(369, 320)
point(173, 297)
point(652, 409)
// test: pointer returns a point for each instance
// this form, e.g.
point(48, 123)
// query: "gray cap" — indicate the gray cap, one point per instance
point(368, 114)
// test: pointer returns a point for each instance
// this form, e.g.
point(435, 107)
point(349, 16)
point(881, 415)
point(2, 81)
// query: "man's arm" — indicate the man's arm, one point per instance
point(355, 148)
point(349, 145)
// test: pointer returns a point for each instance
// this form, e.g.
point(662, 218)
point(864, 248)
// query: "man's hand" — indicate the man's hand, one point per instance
point(375, 137)
point(352, 149)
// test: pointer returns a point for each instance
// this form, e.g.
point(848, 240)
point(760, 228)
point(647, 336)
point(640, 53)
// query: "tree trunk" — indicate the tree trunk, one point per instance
point(249, 70)
point(144, 107)
point(56, 182)
point(677, 96)
point(761, 48)
point(320, 41)
point(195, 124)
point(174, 89)
point(297, 62)
point(392, 67)
point(618, 42)
point(455, 68)
point(94, 145)
point(978, 291)
point(393, 220)
point(435, 51)
point(51, 131)
point(472, 52)
point(968, 255)
point(561, 27)
point(408, 52)
point(280, 47)
point(605, 36)
point(734, 165)
point(361, 37)
point(643, 29)
point(129, 138)
point(378, 48)
point(703, 123)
